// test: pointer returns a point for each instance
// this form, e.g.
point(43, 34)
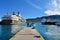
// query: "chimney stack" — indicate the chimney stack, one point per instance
point(14, 13)
point(18, 13)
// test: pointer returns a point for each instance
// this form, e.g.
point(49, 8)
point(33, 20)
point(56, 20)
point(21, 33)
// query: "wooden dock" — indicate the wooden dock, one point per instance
point(27, 34)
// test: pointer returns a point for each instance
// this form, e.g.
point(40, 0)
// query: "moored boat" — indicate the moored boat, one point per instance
point(12, 19)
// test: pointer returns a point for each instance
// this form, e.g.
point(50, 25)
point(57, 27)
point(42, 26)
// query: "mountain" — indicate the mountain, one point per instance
point(51, 17)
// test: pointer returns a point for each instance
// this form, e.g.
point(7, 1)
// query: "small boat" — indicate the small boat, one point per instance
point(48, 23)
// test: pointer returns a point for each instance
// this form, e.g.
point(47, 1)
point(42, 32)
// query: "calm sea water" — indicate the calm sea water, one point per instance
point(49, 32)
point(7, 31)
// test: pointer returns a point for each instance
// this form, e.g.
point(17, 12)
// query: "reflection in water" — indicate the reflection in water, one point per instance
point(0, 32)
point(14, 28)
point(49, 32)
point(7, 31)
point(53, 32)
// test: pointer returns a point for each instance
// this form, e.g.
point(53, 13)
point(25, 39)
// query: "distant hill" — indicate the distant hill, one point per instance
point(51, 17)
point(33, 20)
point(38, 19)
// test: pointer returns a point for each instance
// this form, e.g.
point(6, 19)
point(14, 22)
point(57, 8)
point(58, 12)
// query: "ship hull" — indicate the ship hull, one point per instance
point(49, 23)
point(10, 22)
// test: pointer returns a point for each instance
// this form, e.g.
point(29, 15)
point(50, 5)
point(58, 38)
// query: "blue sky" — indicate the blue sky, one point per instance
point(30, 8)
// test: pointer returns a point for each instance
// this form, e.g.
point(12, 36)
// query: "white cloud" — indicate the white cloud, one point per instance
point(33, 4)
point(49, 12)
point(53, 7)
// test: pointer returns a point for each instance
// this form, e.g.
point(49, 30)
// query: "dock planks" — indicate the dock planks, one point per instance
point(27, 34)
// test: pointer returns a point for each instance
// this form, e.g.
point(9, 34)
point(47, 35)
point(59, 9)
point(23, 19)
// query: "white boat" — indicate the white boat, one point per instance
point(12, 19)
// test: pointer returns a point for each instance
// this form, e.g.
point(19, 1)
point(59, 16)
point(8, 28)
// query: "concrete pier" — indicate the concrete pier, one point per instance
point(27, 34)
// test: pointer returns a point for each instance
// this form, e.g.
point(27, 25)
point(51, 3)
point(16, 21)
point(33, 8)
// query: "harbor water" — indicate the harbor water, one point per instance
point(7, 31)
point(49, 32)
